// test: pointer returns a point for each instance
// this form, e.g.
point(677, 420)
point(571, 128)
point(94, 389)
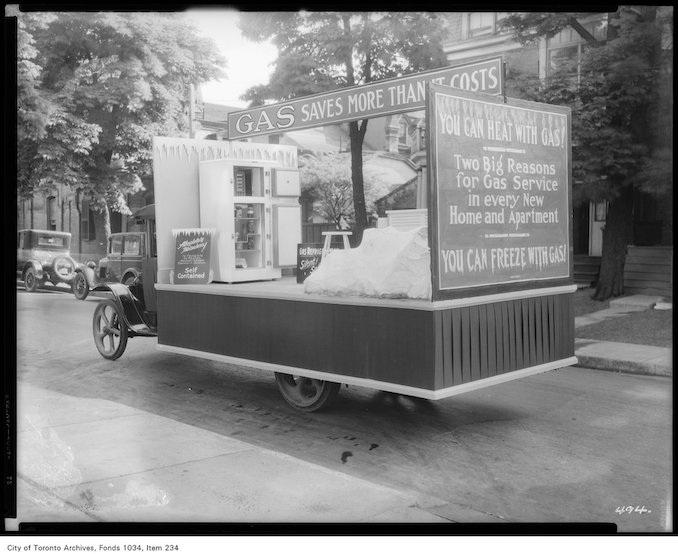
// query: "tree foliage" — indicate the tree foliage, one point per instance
point(326, 180)
point(530, 27)
point(614, 92)
point(321, 51)
point(94, 88)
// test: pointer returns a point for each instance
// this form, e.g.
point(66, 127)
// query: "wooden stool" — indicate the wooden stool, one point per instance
point(328, 240)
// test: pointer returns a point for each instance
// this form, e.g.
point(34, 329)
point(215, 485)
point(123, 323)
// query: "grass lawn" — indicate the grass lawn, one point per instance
point(651, 327)
point(584, 304)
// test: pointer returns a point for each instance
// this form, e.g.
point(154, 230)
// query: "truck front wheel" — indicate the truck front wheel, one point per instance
point(109, 329)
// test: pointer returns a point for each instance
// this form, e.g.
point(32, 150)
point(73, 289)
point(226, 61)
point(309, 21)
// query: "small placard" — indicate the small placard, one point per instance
point(309, 255)
point(192, 256)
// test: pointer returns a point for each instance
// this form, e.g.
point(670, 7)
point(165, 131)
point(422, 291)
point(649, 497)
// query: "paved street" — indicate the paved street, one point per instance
point(163, 437)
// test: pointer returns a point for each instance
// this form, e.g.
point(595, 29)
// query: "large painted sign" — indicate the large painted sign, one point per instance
point(390, 96)
point(500, 192)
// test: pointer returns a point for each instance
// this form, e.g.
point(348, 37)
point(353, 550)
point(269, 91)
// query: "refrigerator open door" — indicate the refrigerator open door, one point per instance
point(286, 234)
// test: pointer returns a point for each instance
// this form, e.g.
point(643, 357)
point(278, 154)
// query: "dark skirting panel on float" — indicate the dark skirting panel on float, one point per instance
point(386, 344)
point(486, 340)
point(428, 349)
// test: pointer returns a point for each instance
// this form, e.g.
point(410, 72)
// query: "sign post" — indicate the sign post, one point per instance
point(500, 200)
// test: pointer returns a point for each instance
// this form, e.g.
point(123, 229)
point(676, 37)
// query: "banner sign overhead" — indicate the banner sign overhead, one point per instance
point(390, 96)
point(501, 189)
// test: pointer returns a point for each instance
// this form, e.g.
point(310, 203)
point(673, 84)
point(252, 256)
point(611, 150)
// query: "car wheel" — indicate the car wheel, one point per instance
point(31, 281)
point(109, 329)
point(80, 286)
point(129, 280)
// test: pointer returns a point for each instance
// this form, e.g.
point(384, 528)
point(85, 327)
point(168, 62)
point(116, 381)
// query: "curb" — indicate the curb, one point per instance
point(640, 360)
point(622, 366)
point(623, 357)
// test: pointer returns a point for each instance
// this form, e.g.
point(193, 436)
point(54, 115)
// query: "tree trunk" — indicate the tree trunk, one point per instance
point(102, 226)
point(618, 232)
point(357, 134)
point(617, 235)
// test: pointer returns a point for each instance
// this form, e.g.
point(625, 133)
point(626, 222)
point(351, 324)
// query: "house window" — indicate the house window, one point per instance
point(52, 213)
point(421, 136)
point(403, 133)
point(484, 23)
point(116, 245)
point(559, 57)
point(568, 46)
point(600, 213)
point(87, 229)
point(116, 222)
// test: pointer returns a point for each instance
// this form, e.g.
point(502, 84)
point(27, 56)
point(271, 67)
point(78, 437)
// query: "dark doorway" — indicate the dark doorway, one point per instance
point(580, 228)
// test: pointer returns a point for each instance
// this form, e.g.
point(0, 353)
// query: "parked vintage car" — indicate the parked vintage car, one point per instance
point(122, 263)
point(44, 256)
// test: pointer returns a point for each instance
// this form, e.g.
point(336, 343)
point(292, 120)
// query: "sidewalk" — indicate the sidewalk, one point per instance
point(622, 357)
point(92, 460)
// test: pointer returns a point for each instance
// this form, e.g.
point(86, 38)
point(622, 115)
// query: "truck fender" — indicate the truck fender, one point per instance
point(131, 272)
point(130, 307)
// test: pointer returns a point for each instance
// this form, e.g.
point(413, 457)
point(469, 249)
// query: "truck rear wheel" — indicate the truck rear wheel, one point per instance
point(306, 394)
